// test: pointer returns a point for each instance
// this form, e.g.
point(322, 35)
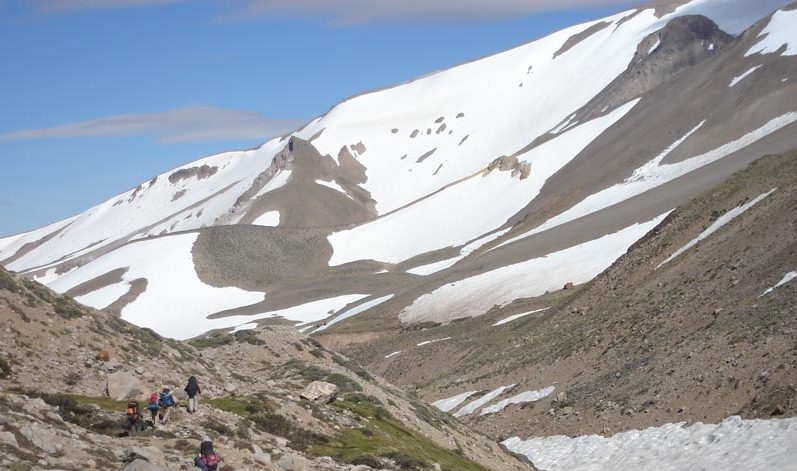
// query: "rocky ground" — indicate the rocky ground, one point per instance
point(66, 373)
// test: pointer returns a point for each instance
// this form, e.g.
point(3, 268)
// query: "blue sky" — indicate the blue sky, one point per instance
point(100, 95)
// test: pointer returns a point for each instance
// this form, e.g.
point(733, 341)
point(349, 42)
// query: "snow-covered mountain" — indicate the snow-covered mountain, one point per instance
point(436, 199)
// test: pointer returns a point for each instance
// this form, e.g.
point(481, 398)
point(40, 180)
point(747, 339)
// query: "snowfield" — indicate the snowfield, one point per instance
point(476, 295)
point(779, 32)
point(457, 214)
point(734, 444)
point(175, 302)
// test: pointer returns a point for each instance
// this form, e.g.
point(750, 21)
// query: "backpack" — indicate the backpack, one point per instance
point(212, 460)
point(132, 409)
point(206, 448)
point(210, 457)
point(153, 402)
point(166, 399)
point(192, 387)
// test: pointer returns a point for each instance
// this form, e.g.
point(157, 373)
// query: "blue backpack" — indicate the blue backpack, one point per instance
point(166, 398)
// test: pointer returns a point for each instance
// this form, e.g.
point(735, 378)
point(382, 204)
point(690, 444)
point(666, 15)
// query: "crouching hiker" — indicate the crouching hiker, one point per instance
point(208, 460)
point(192, 389)
point(167, 403)
point(153, 406)
point(134, 419)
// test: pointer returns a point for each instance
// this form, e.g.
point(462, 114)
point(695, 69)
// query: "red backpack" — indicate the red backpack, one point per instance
point(153, 402)
point(212, 460)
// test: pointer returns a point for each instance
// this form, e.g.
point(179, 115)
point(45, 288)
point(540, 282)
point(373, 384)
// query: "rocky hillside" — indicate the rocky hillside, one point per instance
point(697, 322)
point(67, 371)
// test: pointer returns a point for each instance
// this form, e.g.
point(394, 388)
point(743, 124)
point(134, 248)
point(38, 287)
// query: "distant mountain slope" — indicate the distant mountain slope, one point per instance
point(471, 173)
point(695, 323)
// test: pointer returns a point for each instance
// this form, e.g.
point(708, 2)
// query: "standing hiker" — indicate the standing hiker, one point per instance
point(192, 389)
point(153, 406)
point(208, 460)
point(166, 403)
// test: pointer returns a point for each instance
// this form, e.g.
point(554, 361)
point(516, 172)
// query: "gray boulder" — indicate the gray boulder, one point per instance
point(320, 391)
point(124, 385)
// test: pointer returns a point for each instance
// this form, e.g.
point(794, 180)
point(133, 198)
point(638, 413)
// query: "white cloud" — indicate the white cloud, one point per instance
point(365, 11)
point(351, 11)
point(189, 124)
point(61, 6)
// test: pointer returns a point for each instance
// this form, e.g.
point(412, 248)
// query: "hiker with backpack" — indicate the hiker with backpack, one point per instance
point(166, 402)
point(153, 406)
point(134, 418)
point(192, 389)
point(207, 460)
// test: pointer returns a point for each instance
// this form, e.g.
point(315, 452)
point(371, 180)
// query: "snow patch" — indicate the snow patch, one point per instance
point(427, 342)
point(658, 43)
point(249, 326)
point(742, 77)
point(786, 278)
point(391, 355)
point(433, 267)
point(475, 405)
point(278, 180)
point(105, 296)
point(269, 219)
point(334, 185)
point(737, 444)
point(518, 316)
point(528, 396)
point(721, 221)
point(450, 403)
point(355, 310)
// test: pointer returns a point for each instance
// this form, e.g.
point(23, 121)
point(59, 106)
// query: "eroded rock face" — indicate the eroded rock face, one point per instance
point(511, 164)
point(682, 43)
point(205, 171)
point(320, 391)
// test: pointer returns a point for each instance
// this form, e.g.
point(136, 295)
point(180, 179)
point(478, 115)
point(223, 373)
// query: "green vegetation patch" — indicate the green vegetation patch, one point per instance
point(7, 282)
point(67, 308)
point(5, 369)
point(39, 290)
point(83, 410)
point(261, 412)
point(383, 436)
